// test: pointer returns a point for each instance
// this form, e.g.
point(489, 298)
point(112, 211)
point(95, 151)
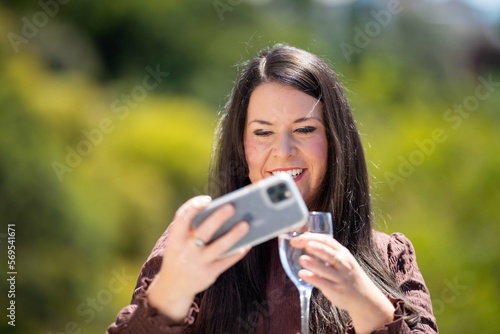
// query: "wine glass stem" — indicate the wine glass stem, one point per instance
point(305, 298)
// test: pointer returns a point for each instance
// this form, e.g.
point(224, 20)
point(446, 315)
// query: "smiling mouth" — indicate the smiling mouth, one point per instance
point(294, 173)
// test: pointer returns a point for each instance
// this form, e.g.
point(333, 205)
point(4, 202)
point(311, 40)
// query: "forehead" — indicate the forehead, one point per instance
point(273, 101)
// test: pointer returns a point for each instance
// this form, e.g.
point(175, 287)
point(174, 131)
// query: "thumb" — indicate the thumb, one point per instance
point(189, 209)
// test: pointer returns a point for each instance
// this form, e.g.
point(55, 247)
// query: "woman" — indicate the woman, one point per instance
point(287, 113)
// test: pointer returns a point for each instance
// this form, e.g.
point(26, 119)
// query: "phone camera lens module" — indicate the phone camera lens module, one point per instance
point(279, 193)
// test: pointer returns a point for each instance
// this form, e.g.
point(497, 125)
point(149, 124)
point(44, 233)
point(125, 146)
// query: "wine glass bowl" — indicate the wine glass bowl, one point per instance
point(289, 257)
point(318, 222)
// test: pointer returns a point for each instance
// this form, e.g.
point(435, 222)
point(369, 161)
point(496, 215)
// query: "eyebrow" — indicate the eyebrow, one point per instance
point(298, 120)
point(304, 119)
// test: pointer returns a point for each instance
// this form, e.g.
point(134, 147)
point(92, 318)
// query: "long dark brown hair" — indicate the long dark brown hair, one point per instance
point(240, 291)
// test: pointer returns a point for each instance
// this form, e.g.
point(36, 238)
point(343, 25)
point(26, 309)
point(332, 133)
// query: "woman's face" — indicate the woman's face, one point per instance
point(285, 132)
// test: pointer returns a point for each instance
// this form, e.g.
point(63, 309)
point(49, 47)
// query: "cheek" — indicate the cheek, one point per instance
point(318, 154)
point(253, 156)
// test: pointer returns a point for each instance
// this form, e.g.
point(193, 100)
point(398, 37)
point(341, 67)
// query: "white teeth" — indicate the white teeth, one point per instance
point(292, 172)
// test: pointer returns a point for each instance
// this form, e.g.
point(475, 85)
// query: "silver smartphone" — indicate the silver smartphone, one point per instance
point(270, 206)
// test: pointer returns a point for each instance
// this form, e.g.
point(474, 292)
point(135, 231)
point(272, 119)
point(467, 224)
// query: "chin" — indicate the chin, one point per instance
point(307, 200)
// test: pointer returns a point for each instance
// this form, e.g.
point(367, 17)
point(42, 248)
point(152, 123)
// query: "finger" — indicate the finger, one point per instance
point(319, 268)
point(213, 222)
point(301, 241)
point(317, 281)
point(190, 208)
point(224, 263)
point(324, 252)
point(226, 241)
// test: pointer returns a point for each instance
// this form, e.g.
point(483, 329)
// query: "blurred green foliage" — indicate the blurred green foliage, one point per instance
point(93, 163)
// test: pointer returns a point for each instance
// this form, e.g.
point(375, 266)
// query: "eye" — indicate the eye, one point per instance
point(262, 133)
point(306, 129)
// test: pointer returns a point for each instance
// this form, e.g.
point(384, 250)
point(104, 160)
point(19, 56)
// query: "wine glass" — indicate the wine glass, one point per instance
point(318, 222)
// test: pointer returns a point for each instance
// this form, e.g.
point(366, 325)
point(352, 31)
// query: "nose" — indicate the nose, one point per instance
point(284, 146)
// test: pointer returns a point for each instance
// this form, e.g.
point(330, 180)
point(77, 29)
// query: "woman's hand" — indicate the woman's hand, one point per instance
point(333, 269)
point(188, 266)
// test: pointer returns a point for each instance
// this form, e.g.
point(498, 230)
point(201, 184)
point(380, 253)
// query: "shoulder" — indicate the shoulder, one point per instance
point(396, 250)
point(396, 241)
point(153, 263)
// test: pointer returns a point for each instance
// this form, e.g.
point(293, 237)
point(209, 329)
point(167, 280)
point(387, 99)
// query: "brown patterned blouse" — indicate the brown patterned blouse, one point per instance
point(282, 296)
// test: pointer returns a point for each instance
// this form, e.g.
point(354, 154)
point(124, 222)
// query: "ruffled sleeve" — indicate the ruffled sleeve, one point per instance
point(399, 254)
point(141, 318)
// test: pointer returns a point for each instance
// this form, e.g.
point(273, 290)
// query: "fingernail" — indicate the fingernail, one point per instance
point(242, 250)
point(245, 249)
point(202, 200)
